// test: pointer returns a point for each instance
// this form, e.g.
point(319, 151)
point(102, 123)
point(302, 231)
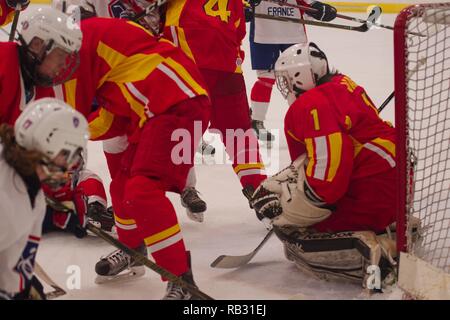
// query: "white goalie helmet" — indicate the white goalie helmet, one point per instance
point(53, 128)
point(299, 68)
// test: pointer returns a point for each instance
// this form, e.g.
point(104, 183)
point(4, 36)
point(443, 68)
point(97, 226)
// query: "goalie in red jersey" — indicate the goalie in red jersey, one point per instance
point(341, 183)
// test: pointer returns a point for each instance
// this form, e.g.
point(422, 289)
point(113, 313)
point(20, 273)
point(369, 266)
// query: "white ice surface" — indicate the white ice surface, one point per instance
point(230, 226)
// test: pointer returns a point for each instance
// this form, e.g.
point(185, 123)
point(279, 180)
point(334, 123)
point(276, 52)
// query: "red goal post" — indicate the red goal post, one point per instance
point(422, 120)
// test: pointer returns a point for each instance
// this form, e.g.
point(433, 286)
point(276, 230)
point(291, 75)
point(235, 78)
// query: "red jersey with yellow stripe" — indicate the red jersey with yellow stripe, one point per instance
point(6, 13)
point(209, 31)
point(338, 126)
point(131, 74)
point(12, 91)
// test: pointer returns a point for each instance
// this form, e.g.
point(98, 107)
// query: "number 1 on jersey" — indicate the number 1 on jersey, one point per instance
point(217, 8)
point(315, 116)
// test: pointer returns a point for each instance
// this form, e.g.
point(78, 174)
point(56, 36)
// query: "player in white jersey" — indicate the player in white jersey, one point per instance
point(267, 39)
point(47, 140)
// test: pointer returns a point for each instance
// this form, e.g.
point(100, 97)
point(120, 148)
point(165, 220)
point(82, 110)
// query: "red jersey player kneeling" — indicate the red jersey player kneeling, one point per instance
point(73, 203)
point(338, 195)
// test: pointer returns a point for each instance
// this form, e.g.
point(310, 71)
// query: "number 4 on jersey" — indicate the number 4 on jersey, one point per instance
point(217, 8)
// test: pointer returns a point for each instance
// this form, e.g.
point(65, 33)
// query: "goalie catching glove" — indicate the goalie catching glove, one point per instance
point(300, 205)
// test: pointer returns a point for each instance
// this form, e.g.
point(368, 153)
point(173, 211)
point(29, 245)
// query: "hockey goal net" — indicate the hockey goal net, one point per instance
point(422, 117)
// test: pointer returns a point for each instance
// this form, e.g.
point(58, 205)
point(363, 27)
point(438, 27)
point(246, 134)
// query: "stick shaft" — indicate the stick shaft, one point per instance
point(12, 33)
point(137, 256)
point(150, 264)
point(305, 8)
point(311, 22)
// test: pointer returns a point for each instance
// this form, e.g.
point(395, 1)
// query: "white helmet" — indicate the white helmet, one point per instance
point(52, 127)
point(299, 68)
point(55, 29)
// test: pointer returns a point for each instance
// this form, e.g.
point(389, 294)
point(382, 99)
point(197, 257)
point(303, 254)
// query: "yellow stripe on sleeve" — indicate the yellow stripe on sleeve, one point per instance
point(246, 166)
point(70, 88)
point(182, 72)
point(135, 105)
point(386, 144)
point(310, 151)
point(183, 43)
point(289, 132)
point(335, 144)
point(9, 17)
point(126, 222)
point(100, 125)
point(173, 13)
point(162, 235)
point(357, 146)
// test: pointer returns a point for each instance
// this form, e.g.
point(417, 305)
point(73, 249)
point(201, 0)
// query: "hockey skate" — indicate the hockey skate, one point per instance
point(119, 266)
point(195, 207)
point(262, 133)
point(176, 292)
point(101, 218)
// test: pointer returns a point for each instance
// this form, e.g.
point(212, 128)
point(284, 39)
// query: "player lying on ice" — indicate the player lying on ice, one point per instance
point(70, 203)
point(47, 140)
point(338, 195)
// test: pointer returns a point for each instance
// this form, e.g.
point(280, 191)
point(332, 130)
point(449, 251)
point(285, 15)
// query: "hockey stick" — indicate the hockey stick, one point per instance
point(370, 21)
point(148, 263)
point(41, 274)
point(134, 254)
point(313, 10)
point(362, 28)
point(421, 62)
point(230, 262)
point(14, 23)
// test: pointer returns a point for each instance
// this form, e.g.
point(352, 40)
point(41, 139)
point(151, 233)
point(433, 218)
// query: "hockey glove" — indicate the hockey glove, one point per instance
point(99, 216)
point(299, 207)
point(249, 14)
point(324, 12)
point(33, 291)
point(254, 3)
point(265, 203)
point(22, 3)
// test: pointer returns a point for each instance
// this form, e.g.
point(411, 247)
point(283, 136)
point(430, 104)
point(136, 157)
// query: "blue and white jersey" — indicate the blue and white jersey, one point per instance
point(279, 32)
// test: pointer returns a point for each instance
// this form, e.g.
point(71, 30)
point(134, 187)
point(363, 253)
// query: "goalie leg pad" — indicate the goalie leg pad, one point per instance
point(334, 256)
